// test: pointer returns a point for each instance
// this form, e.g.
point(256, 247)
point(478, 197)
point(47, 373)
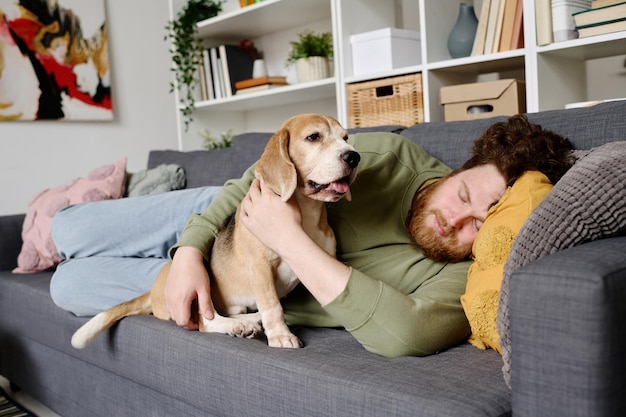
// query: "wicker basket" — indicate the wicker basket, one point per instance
point(388, 101)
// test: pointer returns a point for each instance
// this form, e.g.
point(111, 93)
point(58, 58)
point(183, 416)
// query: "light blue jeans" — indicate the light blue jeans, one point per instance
point(114, 249)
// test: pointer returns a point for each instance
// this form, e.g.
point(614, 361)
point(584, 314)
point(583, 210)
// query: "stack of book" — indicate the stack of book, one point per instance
point(221, 68)
point(252, 85)
point(605, 16)
point(500, 27)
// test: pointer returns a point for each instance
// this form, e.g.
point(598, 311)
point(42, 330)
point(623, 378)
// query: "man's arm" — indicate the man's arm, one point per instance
point(381, 318)
point(387, 322)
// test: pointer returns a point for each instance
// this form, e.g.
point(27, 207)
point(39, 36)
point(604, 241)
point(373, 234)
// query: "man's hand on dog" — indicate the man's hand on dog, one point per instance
point(188, 266)
point(268, 218)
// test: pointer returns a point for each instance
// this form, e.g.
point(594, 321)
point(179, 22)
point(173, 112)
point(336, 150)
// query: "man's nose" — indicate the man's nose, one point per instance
point(459, 218)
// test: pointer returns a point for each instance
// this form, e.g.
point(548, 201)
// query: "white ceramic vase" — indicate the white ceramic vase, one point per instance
point(312, 68)
point(258, 68)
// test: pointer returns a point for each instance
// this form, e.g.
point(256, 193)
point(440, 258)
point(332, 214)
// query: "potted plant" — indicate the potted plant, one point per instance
point(186, 50)
point(311, 53)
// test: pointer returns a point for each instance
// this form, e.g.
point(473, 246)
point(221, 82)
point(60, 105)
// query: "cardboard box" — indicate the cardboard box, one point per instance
point(384, 49)
point(482, 100)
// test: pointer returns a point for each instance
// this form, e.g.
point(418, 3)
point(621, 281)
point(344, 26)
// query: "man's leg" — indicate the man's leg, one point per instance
point(143, 227)
point(90, 285)
point(114, 249)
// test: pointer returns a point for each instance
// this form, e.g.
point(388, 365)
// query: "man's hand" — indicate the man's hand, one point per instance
point(271, 220)
point(187, 281)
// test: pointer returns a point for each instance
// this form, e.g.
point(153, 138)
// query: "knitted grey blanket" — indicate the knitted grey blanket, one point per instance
point(588, 203)
point(160, 179)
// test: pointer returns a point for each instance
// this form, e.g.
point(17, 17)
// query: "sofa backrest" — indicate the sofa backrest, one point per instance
point(585, 127)
point(217, 166)
point(450, 142)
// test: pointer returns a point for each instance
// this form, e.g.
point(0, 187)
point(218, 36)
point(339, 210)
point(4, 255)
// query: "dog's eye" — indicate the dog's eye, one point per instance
point(345, 138)
point(313, 137)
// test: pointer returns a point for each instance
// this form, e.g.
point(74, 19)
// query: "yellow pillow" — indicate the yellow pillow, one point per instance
point(490, 251)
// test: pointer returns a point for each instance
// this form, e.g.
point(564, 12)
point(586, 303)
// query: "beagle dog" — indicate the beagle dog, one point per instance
point(309, 159)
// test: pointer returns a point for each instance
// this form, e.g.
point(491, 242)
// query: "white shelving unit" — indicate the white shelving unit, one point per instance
point(555, 74)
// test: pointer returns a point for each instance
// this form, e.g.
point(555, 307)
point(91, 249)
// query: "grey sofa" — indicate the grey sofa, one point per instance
point(147, 367)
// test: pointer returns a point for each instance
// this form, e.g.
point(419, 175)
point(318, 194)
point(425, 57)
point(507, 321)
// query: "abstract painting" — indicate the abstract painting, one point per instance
point(54, 61)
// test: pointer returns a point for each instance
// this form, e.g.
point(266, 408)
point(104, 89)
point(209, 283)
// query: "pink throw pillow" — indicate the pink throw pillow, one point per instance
point(38, 250)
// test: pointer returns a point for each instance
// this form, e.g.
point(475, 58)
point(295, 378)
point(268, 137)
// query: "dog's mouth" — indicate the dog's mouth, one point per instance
point(340, 186)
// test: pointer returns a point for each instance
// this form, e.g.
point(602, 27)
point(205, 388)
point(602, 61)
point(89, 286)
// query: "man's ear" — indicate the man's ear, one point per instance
point(275, 167)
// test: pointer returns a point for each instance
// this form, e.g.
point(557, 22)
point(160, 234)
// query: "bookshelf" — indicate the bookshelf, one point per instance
point(555, 74)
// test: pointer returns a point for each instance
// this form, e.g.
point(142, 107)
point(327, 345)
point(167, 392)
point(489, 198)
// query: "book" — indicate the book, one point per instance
point(217, 86)
point(494, 10)
point(204, 92)
point(543, 19)
point(601, 3)
point(208, 75)
point(256, 88)
point(600, 14)
point(508, 23)
point(237, 65)
point(252, 82)
point(481, 31)
point(517, 41)
point(601, 29)
point(499, 23)
point(220, 76)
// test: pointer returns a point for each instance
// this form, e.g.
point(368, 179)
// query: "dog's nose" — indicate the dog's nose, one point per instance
point(351, 158)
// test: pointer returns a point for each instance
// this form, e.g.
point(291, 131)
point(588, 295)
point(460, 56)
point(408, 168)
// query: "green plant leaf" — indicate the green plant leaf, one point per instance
point(186, 50)
point(309, 44)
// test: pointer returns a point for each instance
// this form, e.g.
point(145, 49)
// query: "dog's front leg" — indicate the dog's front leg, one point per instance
point(272, 316)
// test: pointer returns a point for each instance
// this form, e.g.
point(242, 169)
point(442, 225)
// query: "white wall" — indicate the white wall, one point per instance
point(39, 155)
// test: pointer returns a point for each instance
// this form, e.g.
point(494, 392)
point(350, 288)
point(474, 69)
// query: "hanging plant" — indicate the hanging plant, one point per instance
point(186, 50)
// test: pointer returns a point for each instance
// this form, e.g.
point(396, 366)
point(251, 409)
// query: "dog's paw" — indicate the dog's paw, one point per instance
point(285, 340)
point(242, 326)
point(247, 329)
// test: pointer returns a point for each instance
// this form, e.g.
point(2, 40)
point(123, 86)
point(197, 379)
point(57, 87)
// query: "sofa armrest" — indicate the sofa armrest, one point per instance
point(10, 240)
point(568, 337)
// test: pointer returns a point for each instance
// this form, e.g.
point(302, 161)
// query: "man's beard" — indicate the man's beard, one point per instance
point(436, 247)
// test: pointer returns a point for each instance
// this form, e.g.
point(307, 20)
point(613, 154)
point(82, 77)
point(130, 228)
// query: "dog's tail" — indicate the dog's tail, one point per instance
point(103, 321)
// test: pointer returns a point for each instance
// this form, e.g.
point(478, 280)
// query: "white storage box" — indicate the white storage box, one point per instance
point(384, 49)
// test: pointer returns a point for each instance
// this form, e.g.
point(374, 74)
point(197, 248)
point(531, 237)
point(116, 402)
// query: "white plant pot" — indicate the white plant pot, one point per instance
point(312, 68)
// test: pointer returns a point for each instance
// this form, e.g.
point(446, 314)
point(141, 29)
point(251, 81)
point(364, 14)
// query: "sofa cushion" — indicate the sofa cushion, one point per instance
point(588, 203)
point(216, 166)
point(201, 167)
point(38, 251)
point(450, 142)
point(215, 374)
point(490, 251)
point(586, 127)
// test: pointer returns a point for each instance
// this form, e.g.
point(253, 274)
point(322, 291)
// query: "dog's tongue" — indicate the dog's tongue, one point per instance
point(341, 187)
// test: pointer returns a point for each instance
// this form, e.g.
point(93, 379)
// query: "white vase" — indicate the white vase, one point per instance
point(312, 68)
point(258, 68)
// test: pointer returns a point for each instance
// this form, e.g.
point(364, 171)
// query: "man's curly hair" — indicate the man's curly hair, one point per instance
point(516, 146)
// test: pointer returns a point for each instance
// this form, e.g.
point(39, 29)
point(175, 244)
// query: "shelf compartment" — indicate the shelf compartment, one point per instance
point(593, 47)
point(482, 64)
point(259, 19)
point(387, 101)
point(295, 93)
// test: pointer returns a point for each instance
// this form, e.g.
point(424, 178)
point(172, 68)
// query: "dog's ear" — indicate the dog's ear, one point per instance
point(275, 167)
